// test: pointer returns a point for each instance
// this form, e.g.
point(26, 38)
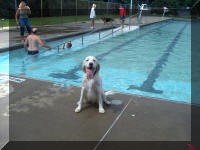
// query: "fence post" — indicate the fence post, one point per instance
point(61, 7)
point(107, 7)
point(76, 9)
point(41, 11)
point(130, 11)
point(131, 7)
point(88, 9)
point(15, 4)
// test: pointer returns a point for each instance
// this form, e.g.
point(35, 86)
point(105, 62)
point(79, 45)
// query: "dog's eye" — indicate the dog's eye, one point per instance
point(94, 60)
point(87, 59)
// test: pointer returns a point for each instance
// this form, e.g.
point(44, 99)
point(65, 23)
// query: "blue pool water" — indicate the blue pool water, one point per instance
point(152, 61)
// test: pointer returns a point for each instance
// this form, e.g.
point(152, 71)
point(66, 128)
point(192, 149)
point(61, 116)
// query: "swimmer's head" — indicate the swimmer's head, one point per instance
point(34, 30)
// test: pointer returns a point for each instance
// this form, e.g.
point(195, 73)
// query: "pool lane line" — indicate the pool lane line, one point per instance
point(147, 85)
point(71, 74)
point(112, 125)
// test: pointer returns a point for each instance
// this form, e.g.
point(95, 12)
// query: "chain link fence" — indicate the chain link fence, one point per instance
point(63, 11)
point(51, 8)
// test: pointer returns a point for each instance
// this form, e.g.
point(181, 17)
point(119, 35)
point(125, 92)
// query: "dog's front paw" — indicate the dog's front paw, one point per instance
point(101, 110)
point(78, 109)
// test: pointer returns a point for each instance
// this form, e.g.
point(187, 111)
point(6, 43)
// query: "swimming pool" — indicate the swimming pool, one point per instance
point(154, 61)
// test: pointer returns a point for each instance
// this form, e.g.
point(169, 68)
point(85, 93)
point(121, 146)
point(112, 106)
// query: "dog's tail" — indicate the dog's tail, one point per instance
point(110, 93)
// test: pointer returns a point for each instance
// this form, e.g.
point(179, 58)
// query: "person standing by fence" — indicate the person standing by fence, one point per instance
point(122, 15)
point(92, 15)
point(23, 11)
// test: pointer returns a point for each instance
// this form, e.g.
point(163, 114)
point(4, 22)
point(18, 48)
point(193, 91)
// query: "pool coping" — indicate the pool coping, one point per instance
point(128, 94)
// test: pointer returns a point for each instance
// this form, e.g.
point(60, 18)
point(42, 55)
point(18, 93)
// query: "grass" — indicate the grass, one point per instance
point(4, 22)
point(37, 21)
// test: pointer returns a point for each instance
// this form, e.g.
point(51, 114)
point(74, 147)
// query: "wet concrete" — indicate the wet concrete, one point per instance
point(147, 119)
point(4, 121)
point(4, 110)
point(35, 104)
point(40, 111)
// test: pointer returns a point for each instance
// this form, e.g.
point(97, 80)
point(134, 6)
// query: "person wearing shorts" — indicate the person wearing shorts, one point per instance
point(92, 15)
point(122, 16)
point(23, 11)
point(33, 42)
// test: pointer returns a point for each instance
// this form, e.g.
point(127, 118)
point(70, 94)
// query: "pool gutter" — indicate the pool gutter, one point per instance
point(117, 92)
point(144, 25)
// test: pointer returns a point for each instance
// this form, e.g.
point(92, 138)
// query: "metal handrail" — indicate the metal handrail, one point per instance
point(95, 30)
point(121, 28)
point(82, 37)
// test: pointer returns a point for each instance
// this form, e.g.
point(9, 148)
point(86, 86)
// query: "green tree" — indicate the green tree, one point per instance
point(7, 8)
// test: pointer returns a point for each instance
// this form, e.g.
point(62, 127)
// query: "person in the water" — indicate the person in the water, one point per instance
point(69, 44)
point(33, 42)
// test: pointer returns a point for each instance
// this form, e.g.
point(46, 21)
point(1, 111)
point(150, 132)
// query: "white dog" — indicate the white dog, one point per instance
point(92, 90)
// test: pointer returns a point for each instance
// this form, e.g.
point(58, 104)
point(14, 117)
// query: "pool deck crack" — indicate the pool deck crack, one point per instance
point(112, 125)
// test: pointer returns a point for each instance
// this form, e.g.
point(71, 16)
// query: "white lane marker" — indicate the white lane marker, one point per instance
point(60, 85)
point(14, 79)
point(115, 121)
point(18, 80)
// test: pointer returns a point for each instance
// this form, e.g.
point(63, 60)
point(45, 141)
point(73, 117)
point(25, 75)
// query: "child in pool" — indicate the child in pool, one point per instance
point(69, 44)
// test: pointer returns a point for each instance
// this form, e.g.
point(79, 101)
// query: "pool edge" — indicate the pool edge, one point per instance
point(18, 46)
point(117, 92)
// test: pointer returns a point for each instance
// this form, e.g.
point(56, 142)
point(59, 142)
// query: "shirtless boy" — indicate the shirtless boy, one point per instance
point(33, 42)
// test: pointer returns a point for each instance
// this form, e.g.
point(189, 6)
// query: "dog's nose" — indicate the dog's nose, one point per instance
point(90, 63)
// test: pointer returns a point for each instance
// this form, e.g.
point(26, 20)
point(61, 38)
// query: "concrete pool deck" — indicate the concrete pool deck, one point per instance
point(42, 111)
point(10, 37)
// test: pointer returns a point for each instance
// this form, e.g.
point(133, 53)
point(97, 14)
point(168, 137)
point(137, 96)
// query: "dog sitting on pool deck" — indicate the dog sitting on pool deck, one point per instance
point(92, 90)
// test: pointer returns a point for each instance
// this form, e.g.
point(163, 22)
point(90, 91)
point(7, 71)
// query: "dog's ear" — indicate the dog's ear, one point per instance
point(83, 66)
